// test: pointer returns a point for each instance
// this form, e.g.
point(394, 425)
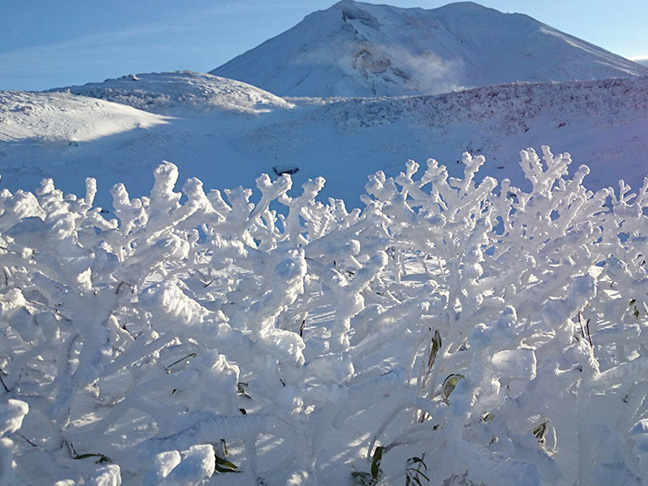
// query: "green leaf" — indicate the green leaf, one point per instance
point(487, 417)
point(539, 433)
point(375, 463)
point(101, 458)
point(363, 478)
point(423, 475)
point(434, 351)
point(417, 460)
point(223, 445)
point(225, 466)
point(241, 388)
point(449, 384)
point(413, 472)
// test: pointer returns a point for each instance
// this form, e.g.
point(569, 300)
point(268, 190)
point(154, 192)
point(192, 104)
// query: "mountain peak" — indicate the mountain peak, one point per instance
point(361, 49)
point(355, 11)
point(465, 5)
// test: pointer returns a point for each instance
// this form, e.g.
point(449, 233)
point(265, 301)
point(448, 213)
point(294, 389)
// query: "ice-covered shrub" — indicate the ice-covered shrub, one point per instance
point(465, 332)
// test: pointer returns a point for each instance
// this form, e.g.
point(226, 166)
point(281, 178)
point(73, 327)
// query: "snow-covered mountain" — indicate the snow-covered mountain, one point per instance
point(601, 123)
point(358, 49)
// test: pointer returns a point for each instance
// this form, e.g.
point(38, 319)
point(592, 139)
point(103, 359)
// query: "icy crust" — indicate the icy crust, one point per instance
point(504, 109)
point(62, 117)
point(360, 49)
point(182, 90)
point(454, 331)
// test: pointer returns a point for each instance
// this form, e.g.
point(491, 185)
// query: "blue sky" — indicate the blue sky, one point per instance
point(46, 44)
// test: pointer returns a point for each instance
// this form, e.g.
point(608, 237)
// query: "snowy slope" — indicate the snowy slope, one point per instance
point(357, 49)
point(179, 91)
point(601, 123)
point(67, 118)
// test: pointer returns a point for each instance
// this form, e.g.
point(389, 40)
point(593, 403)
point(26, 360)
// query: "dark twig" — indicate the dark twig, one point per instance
point(580, 321)
point(4, 385)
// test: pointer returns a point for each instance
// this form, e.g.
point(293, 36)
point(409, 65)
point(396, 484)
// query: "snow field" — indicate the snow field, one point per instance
point(602, 124)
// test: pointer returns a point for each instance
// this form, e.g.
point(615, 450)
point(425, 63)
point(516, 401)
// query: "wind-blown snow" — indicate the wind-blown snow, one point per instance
point(358, 49)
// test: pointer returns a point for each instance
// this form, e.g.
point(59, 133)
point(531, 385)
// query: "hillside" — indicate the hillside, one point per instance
point(358, 49)
point(182, 90)
point(601, 123)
